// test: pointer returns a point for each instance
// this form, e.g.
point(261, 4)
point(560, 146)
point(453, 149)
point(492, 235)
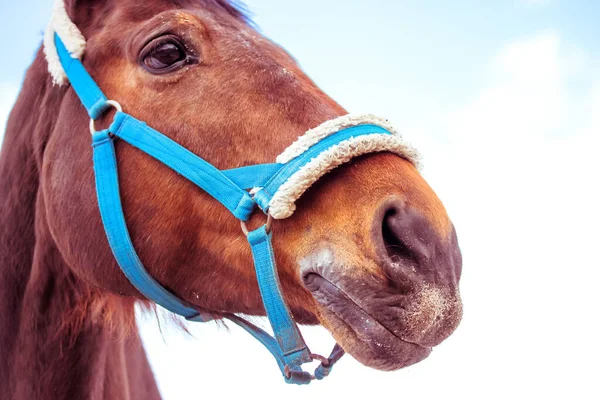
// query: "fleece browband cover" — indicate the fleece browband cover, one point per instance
point(70, 35)
point(282, 203)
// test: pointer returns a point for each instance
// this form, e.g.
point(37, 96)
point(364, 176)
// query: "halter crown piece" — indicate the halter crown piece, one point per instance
point(275, 189)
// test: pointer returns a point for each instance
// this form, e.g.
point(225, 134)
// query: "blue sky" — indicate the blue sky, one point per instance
point(503, 100)
point(434, 50)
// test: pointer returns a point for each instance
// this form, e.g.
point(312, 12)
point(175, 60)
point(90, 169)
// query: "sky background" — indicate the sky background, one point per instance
point(502, 98)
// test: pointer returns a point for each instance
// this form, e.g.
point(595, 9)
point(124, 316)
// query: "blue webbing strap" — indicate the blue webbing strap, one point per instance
point(252, 176)
point(288, 349)
point(111, 211)
point(183, 161)
point(227, 187)
point(296, 376)
point(291, 344)
point(86, 88)
point(264, 196)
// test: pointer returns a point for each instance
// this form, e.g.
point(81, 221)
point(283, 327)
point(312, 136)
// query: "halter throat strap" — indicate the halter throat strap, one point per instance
point(229, 187)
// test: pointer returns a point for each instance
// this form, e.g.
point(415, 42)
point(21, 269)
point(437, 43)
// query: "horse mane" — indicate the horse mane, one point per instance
point(235, 8)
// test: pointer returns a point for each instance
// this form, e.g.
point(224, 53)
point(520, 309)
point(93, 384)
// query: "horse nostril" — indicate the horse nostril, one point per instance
point(312, 280)
point(391, 233)
point(403, 238)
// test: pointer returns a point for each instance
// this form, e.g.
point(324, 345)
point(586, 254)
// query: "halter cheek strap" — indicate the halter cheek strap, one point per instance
point(230, 188)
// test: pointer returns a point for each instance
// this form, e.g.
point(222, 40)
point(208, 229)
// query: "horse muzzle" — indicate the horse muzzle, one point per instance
point(391, 319)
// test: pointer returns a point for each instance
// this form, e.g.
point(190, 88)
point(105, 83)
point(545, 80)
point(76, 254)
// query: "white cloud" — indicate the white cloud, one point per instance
point(523, 159)
point(528, 97)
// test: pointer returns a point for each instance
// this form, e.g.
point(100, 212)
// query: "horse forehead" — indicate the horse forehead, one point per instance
point(135, 11)
point(234, 40)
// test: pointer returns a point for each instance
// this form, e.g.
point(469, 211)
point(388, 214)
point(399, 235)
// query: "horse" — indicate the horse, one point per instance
point(367, 251)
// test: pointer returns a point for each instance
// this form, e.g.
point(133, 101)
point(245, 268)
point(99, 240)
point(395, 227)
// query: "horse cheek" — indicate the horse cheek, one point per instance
point(72, 215)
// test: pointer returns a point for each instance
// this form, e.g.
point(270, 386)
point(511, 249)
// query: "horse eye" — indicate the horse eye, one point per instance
point(163, 55)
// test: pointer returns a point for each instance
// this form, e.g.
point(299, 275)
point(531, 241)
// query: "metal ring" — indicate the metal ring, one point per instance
point(287, 372)
point(318, 357)
point(268, 225)
point(114, 104)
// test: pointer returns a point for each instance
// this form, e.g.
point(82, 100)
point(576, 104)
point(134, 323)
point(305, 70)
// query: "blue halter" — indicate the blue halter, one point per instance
point(230, 188)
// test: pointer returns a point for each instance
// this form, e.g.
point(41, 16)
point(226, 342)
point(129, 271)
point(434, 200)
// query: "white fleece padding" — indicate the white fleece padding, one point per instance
point(330, 127)
point(282, 205)
point(69, 34)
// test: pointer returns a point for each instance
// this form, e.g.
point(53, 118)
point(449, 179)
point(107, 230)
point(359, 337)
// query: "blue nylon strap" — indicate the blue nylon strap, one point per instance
point(289, 338)
point(298, 377)
point(264, 196)
point(183, 161)
point(111, 211)
point(268, 341)
point(227, 187)
point(252, 176)
point(86, 88)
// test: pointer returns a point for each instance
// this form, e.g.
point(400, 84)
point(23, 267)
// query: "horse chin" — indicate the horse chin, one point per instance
point(359, 333)
point(372, 344)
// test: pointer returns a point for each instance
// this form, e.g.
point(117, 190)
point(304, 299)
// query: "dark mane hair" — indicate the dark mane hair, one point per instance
point(235, 8)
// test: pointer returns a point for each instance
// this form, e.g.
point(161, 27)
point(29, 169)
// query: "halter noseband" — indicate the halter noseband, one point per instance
point(274, 192)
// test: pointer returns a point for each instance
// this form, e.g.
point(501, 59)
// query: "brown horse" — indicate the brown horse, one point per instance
point(370, 252)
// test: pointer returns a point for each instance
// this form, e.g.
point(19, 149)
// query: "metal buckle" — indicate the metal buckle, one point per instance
point(324, 362)
point(268, 225)
point(112, 103)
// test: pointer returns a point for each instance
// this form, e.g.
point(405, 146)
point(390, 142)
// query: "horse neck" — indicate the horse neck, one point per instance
point(51, 344)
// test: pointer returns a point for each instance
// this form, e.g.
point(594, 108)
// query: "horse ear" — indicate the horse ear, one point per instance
point(79, 11)
point(71, 7)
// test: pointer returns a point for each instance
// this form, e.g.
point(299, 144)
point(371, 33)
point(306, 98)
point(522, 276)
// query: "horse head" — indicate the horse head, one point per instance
point(368, 250)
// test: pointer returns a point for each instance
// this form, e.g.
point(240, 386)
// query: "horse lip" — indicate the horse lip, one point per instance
point(314, 281)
